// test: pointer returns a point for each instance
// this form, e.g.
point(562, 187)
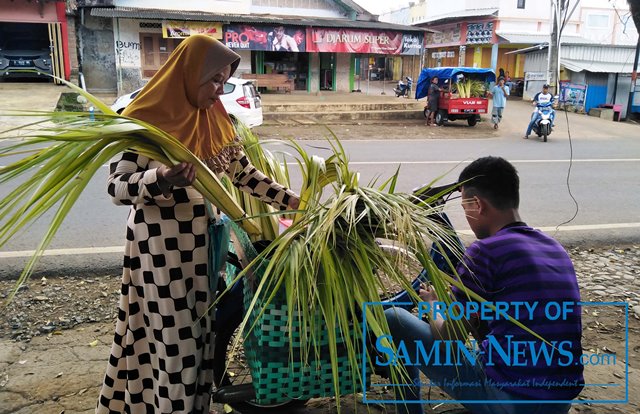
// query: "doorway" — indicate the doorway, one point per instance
point(327, 71)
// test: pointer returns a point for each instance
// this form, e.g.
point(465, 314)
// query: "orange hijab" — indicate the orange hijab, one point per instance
point(169, 100)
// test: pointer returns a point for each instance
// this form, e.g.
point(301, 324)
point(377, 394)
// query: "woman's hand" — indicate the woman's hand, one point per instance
point(294, 203)
point(180, 175)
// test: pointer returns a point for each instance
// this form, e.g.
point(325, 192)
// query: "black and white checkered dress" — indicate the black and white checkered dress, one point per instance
point(161, 357)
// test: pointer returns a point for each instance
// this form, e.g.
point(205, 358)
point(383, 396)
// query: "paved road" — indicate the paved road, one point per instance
point(603, 178)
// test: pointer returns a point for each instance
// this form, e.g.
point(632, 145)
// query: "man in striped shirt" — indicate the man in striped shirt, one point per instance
point(526, 274)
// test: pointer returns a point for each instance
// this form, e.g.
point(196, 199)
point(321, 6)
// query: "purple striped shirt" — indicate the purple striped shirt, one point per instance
point(521, 264)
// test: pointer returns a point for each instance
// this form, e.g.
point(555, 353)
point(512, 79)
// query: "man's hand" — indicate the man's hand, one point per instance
point(427, 293)
point(180, 175)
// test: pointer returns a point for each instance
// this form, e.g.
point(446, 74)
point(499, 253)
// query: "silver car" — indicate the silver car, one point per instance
point(21, 58)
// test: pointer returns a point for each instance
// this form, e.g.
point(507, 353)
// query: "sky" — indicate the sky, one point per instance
point(379, 6)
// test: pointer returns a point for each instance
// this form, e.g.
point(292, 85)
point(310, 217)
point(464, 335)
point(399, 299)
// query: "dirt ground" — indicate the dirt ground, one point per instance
point(55, 338)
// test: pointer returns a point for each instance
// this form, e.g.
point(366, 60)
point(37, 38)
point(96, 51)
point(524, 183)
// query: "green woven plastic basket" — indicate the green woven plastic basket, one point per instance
point(281, 370)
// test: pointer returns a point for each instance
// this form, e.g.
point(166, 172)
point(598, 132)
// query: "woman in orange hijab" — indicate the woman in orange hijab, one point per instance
point(162, 353)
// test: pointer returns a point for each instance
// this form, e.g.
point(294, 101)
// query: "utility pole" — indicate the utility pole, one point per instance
point(634, 75)
point(558, 20)
point(554, 45)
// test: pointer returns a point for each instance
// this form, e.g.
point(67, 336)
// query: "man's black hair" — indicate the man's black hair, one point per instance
point(493, 178)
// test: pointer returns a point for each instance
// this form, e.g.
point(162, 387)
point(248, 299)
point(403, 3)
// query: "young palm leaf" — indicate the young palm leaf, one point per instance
point(62, 151)
point(328, 264)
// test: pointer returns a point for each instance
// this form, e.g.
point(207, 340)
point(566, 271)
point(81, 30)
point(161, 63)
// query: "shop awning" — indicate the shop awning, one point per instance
point(538, 38)
point(158, 14)
point(597, 67)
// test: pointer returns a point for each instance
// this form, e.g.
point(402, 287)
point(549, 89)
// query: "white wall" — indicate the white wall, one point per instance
point(534, 9)
point(217, 6)
point(523, 26)
point(620, 28)
point(126, 33)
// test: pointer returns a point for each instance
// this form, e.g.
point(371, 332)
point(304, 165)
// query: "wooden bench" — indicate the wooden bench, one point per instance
point(274, 81)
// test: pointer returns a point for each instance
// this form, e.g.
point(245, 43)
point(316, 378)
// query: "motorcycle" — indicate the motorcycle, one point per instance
point(543, 125)
point(404, 89)
point(232, 375)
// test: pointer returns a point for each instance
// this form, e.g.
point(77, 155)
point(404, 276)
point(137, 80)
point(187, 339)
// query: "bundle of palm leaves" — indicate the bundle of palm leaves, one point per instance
point(471, 88)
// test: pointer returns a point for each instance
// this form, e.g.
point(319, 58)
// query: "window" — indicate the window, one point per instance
point(521, 4)
point(598, 21)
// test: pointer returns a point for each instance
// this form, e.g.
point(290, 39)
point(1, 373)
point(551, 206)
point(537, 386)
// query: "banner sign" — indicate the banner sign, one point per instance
point(411, 44)
point(181, 30)
point(354, 41)
point(445, 36)
point(263, 37)
point(479, 33)
point(573, 94)
point(535, 76)
point(442, 55)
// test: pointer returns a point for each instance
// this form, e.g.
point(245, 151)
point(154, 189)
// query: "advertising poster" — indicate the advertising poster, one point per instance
point(354, 41)
point(262, 37)
point(573, 94)
point(479, 33)
point(411, 44)
point(181, 30)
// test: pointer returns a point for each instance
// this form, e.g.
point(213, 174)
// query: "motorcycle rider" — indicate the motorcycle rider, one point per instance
point(541, 98)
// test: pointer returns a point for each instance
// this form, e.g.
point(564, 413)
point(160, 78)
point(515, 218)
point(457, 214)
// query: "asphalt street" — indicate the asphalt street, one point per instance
point(593, 176)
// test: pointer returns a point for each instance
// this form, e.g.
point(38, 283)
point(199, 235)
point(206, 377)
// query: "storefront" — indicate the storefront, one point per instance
point(315, 58)
point(37, 26)
point(474, 44)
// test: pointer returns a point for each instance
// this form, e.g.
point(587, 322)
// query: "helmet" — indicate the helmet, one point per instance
point(545, 86)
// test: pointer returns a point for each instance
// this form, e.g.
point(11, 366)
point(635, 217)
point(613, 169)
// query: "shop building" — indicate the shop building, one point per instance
point(591, 76)
point(485, 33)
point(320, 45)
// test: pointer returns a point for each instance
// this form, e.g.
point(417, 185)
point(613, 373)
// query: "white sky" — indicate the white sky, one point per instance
point(379, 6)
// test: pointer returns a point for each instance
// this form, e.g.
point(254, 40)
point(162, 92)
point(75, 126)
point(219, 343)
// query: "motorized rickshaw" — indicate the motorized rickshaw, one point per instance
point(463, 94)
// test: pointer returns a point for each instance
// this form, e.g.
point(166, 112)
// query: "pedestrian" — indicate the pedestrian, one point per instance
point(161, 356)
point(499, 92)
point(433, 96)
point(510, 264)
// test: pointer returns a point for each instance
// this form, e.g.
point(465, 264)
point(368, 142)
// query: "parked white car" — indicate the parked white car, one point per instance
point(240, 99)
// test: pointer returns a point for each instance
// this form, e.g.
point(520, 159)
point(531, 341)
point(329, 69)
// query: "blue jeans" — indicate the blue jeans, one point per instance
point(496, 114)
point(408, 328)
point(534, 119)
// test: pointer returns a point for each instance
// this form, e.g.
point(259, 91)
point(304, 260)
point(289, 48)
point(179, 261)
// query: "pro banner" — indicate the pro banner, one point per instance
point(261, 37)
